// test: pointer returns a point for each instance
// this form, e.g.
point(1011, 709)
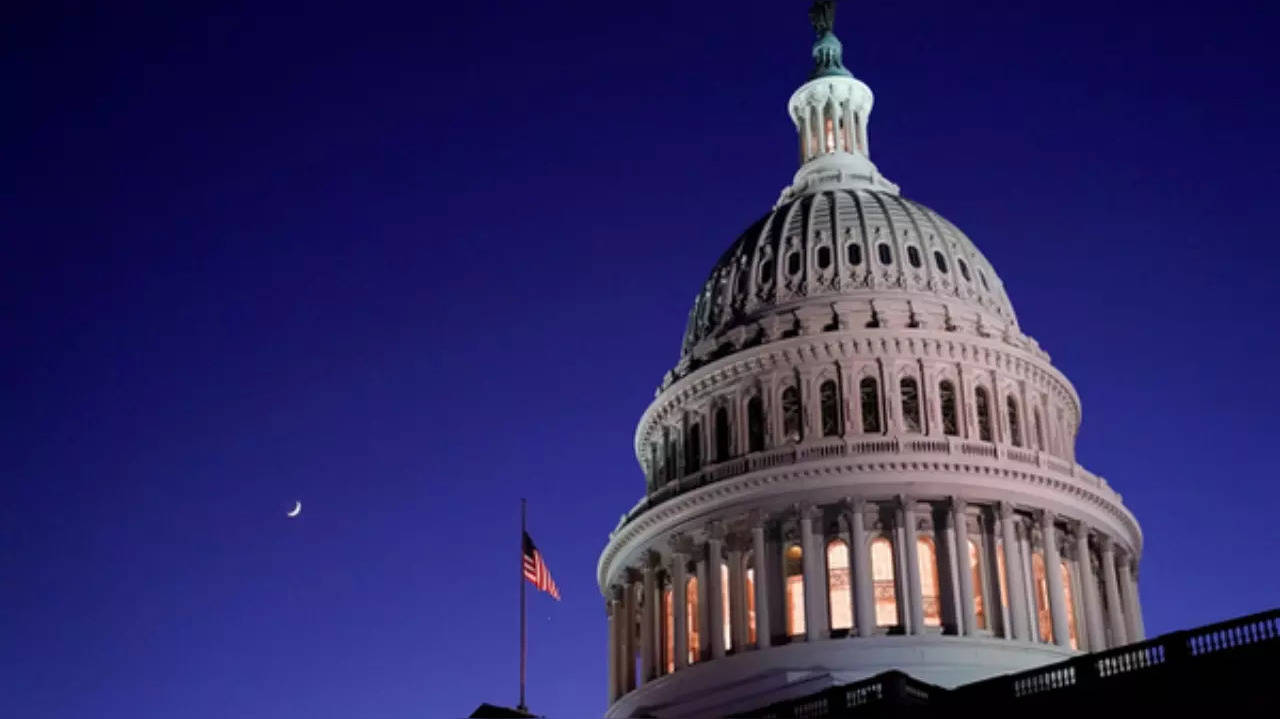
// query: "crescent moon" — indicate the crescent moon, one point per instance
point(297, 509)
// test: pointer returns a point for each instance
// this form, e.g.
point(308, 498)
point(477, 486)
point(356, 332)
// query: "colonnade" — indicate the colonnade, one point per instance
point(866, 567)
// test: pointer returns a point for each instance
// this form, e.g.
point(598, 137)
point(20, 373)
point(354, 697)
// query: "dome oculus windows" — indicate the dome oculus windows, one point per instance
point(913, 256)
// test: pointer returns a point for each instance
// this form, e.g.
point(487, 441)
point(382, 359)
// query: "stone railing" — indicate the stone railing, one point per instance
point(836, 447)
point(1168, 650)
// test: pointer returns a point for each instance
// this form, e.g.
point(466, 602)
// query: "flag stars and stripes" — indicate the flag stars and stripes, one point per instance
point(535, 569)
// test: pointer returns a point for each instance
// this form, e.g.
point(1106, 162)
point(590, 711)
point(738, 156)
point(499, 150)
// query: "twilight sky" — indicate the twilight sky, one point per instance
point(409, 262)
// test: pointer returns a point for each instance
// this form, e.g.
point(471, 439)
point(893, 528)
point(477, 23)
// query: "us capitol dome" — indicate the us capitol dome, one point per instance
point(859, 463)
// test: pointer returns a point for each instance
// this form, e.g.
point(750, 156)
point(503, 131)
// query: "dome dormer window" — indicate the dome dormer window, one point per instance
point(913, 256)
point(940, 261)
point(886, 254)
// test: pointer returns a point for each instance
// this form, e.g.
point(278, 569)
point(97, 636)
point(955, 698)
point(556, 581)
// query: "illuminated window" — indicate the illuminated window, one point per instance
point(982, 404)
point(950, 415)
point(839, 589)
point(668, 630)
point(722, 434)
point(869, 396)
point(882, 582)
point(1044, 617)
point(830, 400)
point(1000, 573)
point(691, 623)
point(829, 133)
point(1015, 427)
point(1071, 606)
point(693, 448)
point(791, 414)
point(794, 573)
point(928, 557)
point(910, 404)
point(755, 424)
point(726, 629)
point(749, 579)
point(979, 601)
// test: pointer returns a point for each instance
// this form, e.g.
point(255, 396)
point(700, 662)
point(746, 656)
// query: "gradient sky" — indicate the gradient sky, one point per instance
point(410, 262)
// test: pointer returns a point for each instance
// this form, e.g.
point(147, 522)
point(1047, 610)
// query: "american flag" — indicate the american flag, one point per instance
point(535, 569)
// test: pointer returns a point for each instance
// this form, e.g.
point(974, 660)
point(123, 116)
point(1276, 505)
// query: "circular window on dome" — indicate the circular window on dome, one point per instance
point(913, 256)
point(886, 255)
point(855, 255)
point(793, 263)
point(964, 270)
point(940, 261)
point(824, 257)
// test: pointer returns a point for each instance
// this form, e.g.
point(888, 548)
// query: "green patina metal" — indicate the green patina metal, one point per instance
point(827, 49)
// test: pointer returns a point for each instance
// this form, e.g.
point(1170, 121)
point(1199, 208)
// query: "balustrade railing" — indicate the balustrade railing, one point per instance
point(834, 447)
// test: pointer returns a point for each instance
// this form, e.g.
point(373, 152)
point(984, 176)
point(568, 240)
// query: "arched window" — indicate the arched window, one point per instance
point(929, 594)
point(791, 414)
point(854, 252)
point(793, 570)
point(950, 414)
point(839, 589)
point(869, 396)
point(693, 448)
point(726, 629)
point(982, 404)
point(979, 598)
point(749, 582)
point(1035, 416)
point(668, 630)
point(755, 424)
point(1015, 427)
point(830, 400)
point(910, 403)
point(722, 434)
point(824, 257)
point(913, 256)
point(886, 254)
point(1044, 619)
point(692, 626)
point(882, 582)
point(793, 263)
point(1071, 606)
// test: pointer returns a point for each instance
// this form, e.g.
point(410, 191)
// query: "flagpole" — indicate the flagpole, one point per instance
point(523, 641)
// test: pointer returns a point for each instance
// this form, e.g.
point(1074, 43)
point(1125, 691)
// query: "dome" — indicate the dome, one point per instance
point(859, 463)
point(856, 245)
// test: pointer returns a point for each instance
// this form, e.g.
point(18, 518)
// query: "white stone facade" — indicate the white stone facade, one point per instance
point(853, 376)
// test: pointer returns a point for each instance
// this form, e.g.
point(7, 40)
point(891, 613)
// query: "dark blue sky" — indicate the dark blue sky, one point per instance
point(409, 262)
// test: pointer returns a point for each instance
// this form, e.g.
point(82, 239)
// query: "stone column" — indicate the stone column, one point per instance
point(715, 590)
point(864, 603)
point(948, 551)
point(1088, 589)
point(1014, 584)
point(1133, 610)
point(737, 595)
point(629, 611)
point(815, 580)
point(679, 619)
point(960, 520)
point(758, 560)
point(915, 603)
point(648, 663)
point(610, 608)
point(1053, 576)
point(1115, 615)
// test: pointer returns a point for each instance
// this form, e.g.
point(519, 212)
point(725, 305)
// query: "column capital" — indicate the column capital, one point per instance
point(905, 502)
point(633, 575)
point(1078, 527)
point(680, 544)
point(957, 504)
point(1005, 510)
point(1104, 543)
point(715, 531)
point(756, 519)
point(652, 561)
point(615, 592)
